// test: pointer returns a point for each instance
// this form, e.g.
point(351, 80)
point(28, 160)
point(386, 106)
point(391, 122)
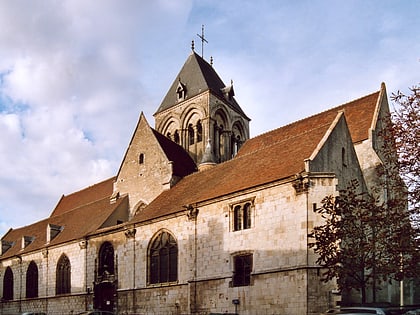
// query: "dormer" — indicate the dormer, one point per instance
point(52, 231)
point(5, 246)
point(228, 92)
point(26, 241)
point(181, 91)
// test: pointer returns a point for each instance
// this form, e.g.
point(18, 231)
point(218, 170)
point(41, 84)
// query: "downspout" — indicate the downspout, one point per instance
point(195, 260)
point(87, 294)
point(20, 290)
point(45, 254)
point(307, 250)
point(134, 270)
point(307, 169)
point(192, 213)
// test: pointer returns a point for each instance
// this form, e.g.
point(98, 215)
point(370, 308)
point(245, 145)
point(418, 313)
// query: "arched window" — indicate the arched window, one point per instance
point(190, 134)
point(247, 216)
point(106, 259)
point(141, 158)
point(241, 215)
point(63, 280)
point(8, 284)
point(163, 255)
point(199, 131)
point(237, 218)
point(32, 280)
point(176, 136)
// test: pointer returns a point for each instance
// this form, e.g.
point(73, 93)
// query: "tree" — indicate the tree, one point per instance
point(347, 244)
point(404, 131)
point(364, 240)
point(360, 243)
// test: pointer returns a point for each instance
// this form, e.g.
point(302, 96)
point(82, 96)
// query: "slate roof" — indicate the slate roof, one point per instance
point(272, 156)
point(76, 224)
point(198, 76)
point(183, 164)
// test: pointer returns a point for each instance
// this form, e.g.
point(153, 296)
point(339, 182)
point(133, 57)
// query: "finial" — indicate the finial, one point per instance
point(211, 60)
point(231, 82)
point(202, 40)
point(192, 45)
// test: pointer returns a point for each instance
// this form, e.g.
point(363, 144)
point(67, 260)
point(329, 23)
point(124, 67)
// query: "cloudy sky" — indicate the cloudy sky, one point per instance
point(75, 75)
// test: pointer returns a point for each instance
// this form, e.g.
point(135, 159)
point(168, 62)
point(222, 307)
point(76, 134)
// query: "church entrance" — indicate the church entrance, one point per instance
point(104, 298)
point(105, 290)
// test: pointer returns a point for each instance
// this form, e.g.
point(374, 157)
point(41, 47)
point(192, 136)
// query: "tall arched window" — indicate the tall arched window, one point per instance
point(163, 255)
point(63, 273)
point(32, 280)
point(190, 134)
point(106, 259)
point(8, 284)
point(241, 215)
point(176, 136)
point(199, 131)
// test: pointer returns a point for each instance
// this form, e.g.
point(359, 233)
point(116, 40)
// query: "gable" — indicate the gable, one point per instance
point(279, 160)
point(152, 163)
point(336, 154)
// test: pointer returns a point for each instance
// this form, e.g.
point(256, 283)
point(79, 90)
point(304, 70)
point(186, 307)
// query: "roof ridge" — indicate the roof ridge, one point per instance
point(338, 108)
point(88, 187)
point(81, 206)
point(263, 147)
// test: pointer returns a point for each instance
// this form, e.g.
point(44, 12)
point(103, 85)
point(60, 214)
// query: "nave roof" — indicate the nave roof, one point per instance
point(272, 156)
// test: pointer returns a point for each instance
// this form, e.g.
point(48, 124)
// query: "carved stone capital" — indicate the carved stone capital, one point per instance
point(130, 233)
point(83, 244)
point(191, 212)
point(45, 253)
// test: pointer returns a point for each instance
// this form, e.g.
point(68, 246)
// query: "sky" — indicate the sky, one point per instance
point(75, 75)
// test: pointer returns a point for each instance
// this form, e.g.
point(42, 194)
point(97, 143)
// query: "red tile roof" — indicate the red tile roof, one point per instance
point(84, 196)
point(76, 224)
point(269, 157)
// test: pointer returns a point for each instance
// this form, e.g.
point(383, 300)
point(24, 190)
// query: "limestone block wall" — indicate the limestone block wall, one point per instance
point(143, 178)
point(76, 256)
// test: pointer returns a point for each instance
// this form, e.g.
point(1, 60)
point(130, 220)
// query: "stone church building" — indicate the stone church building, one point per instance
point(200, 218)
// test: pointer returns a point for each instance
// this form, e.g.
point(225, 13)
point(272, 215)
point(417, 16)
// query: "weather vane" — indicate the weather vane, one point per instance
point(202, 40)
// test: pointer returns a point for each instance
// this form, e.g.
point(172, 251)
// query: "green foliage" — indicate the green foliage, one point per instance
point(362, 242)
point(405, 132)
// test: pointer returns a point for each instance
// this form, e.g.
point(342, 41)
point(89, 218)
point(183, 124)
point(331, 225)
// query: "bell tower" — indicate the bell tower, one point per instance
point(200, 113)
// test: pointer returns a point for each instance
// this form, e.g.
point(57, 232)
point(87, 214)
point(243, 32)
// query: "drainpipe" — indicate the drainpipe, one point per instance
point(84, 245)
point(134, 269)
point(192, 213)
point(20, 290)
point(307, 250)
point(45, 254)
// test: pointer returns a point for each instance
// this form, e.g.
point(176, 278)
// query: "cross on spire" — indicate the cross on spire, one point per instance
point(202, 40)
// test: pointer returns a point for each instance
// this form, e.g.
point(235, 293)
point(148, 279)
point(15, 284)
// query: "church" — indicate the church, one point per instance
point(199, 218)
